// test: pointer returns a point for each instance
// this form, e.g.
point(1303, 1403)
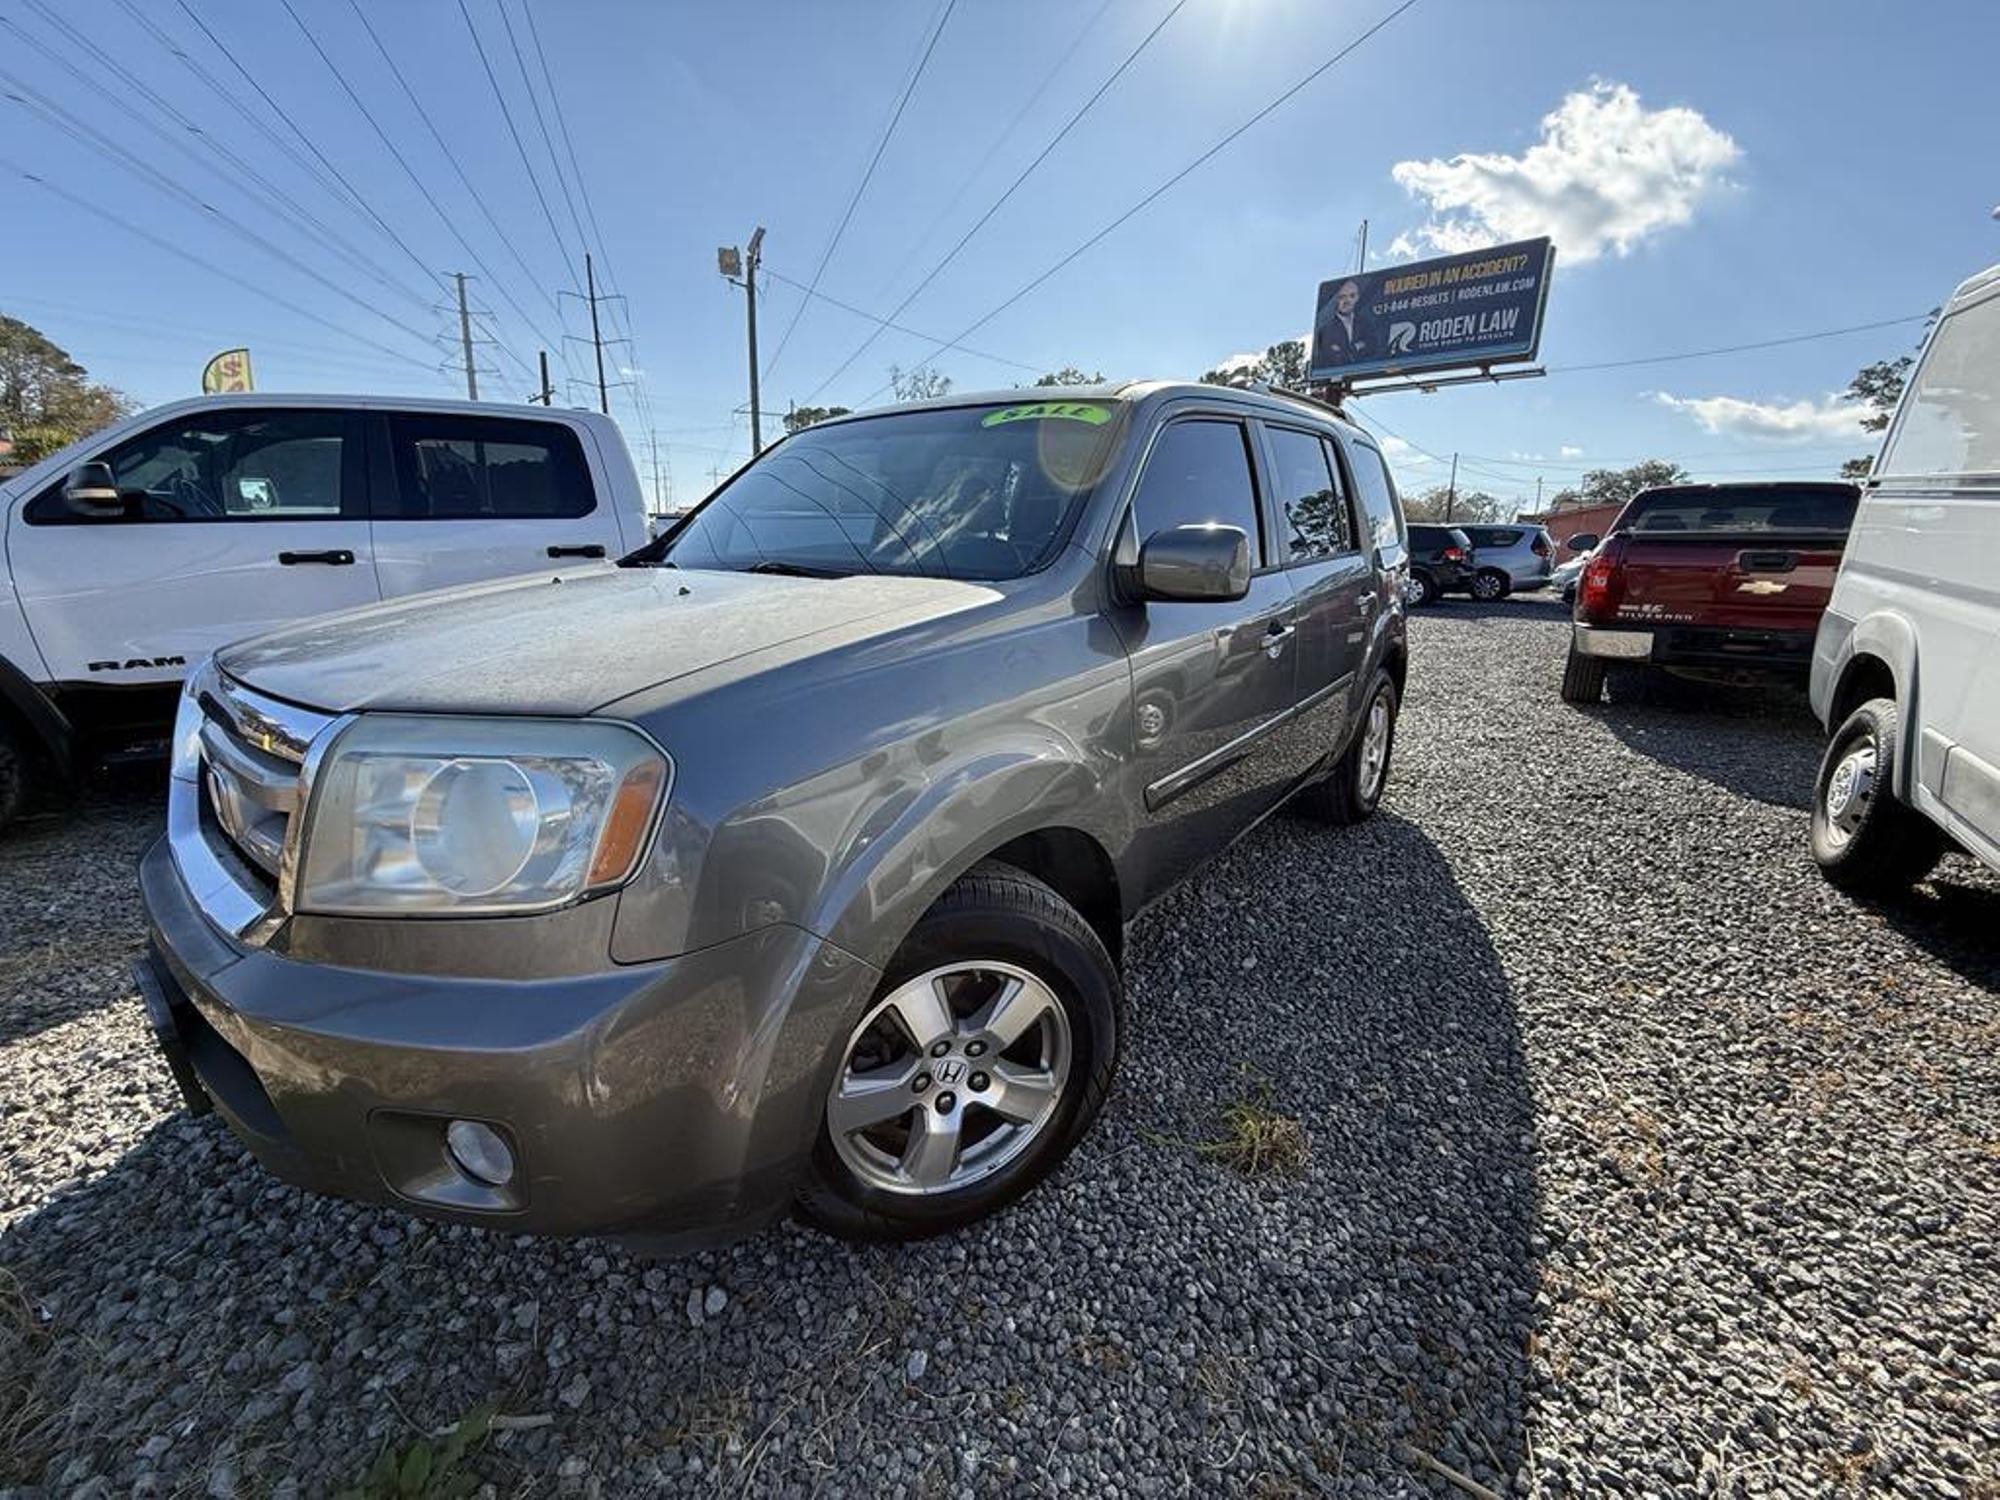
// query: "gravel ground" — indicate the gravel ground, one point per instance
point(1641, 1162)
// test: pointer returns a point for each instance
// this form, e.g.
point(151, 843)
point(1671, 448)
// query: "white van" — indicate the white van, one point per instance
point(149, 544)
point(1906, 667)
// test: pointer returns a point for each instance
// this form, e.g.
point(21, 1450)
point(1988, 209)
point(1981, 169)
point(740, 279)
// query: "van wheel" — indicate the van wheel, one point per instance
point(1491, 585)
point(1352, 790)
point(1423, 590)
point(1583, 678)
point(13, 773)
point(976, 1066)
point(1866, 841)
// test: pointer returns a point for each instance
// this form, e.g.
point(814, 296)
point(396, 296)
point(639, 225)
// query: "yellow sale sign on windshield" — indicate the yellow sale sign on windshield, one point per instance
point(1043, 411)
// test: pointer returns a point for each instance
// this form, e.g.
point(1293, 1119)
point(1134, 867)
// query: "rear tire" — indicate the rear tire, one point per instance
point(1583, 678)
point(1866, 841)
point(1490, 585)
point(872, 1186)
point(1352, 789)
point(14, 757)
point(1423, 590)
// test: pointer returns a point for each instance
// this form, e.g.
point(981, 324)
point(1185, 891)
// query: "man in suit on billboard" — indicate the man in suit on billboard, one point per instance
point(1346, 332)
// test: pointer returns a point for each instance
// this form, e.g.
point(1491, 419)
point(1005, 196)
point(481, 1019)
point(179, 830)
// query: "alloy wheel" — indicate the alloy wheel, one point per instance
point(1374, 747)
point(949, 1078)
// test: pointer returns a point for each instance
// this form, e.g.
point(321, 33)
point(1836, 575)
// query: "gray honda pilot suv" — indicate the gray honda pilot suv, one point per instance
point(785, 863)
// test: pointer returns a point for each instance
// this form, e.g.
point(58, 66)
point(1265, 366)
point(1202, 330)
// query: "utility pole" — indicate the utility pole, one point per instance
point(1538, 494)
point(596, 335)
point(465, 341)
point(1361, 256)
point(547, 394)
point(733, 263)
point(1451, 491)
point(659, 506)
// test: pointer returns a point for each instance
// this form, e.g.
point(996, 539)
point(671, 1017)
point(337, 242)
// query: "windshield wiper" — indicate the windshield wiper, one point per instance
point(783, 569)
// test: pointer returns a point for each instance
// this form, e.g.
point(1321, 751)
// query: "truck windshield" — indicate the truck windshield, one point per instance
point(1767, 508)
point(981, 492)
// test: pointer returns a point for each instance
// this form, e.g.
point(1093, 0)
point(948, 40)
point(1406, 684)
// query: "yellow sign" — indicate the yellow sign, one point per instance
point(228, 371)
point(1043, 411)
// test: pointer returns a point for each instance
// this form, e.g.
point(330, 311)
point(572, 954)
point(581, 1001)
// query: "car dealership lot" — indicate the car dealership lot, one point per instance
point(1640, 1159)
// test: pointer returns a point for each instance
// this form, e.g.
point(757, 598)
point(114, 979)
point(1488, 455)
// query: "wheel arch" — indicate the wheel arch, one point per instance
point(1881, 661)
point(27, 709)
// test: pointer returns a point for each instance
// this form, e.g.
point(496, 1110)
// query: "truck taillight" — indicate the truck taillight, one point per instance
point(1602, 587)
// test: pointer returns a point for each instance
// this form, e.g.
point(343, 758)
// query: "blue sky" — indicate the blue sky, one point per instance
point(1713, 174)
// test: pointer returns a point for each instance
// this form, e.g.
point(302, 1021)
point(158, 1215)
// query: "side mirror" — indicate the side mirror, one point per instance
point(1195, 564)
point(1583, 541)
point(92, 490)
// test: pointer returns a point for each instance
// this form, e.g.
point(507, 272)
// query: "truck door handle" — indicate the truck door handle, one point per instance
point(337, 557)
point(1275, 638)
point(1367, 603)
point(585, 549)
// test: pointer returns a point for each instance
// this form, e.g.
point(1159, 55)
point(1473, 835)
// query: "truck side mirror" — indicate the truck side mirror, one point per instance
point(1207, 563)
point(92, 490)
point(1583, 541)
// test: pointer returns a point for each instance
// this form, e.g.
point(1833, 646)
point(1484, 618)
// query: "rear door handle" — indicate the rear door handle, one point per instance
point(583, 549)
point(1275, 638)
point(1367, 603)
point(337, 557)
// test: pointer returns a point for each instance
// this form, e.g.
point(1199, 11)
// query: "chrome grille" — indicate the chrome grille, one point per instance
point(252, 749)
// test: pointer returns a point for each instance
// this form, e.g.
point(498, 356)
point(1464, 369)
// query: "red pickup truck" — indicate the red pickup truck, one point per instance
point(1717, 582)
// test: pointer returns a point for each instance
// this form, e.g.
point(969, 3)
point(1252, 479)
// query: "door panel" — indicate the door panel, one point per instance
point(462, 499)
point(1214, 684)
point(213, 504)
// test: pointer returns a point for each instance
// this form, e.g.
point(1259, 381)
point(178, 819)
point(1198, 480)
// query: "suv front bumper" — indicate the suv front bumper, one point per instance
point(673, 1099)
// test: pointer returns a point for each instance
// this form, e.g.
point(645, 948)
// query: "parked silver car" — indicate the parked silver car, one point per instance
point(1516, 558)
point(785, 864)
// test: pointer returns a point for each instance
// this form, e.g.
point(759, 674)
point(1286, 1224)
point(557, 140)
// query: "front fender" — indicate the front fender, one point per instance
point(911, 851)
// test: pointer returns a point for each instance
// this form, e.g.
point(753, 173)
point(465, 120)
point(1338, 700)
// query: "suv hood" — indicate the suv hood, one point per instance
point(571, 642)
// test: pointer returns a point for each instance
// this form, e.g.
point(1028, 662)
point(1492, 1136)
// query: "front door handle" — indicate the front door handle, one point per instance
point(336, 557)
point(1367, 603)
point(1275, 638)
point(585, 549)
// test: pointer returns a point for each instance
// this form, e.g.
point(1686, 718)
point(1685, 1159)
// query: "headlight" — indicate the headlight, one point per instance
point(457, 817)
point(185, 763)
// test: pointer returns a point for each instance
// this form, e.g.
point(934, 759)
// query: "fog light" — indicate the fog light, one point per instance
point(479, 1152)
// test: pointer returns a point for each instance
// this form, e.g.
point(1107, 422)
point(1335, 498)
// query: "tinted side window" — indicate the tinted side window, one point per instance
point(1199, 471)
point(1309, 498)
point(1384, 524)
point(222, 466)
point(1950, 417)
point(1493, 536)
point(471, 468)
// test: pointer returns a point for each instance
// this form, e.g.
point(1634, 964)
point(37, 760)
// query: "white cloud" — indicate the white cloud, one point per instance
point(1606, 173)
point(1770, 421)
point(1402, 455)
point(1569, 450)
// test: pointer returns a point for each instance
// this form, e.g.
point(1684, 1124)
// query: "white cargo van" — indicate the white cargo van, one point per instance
point(149, 544)
point(1906, 666)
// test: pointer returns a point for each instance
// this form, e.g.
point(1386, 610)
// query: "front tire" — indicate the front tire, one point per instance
point(1866, 841)
point(1352, 790)
point(1489, 586)
point(974, 1068)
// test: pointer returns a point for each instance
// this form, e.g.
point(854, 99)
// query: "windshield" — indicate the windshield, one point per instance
point(973, 492)
point(1768, 508)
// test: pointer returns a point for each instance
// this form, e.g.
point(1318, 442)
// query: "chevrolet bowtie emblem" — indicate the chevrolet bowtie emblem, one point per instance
point(1761, 586)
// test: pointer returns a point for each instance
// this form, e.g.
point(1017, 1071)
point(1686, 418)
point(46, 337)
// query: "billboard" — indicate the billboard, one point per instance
point(1458, 310)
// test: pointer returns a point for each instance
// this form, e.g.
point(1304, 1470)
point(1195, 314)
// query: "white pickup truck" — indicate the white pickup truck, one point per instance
point(149, 544)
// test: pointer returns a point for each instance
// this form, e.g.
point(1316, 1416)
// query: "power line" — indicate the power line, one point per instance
point(272, 198)
point(1170, 182)
point(507, 114)
point(451, 158)
point(47, 110)
point(1797, 338)
point(922, 241)
point(848, 307)
point(279, 110)
point(408, 171)
point(1025, 173)
point(861, 187)
point(208, 265)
